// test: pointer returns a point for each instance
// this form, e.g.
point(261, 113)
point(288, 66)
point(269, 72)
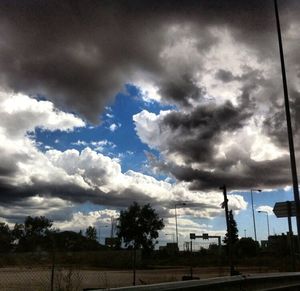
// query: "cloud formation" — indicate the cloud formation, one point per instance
point(212, 146)
point(34, 180)
point(80, 55)
point(215, 62)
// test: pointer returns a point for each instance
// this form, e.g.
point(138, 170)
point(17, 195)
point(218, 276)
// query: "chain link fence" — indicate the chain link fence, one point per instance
point(105, 269)
point(63, 271)
point(72, 279)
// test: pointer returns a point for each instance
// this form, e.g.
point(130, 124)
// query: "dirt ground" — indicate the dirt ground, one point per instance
point(27, 279)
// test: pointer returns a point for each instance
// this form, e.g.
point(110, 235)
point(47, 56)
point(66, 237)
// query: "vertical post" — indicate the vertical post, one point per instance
point(53, 263)
point(228, 230)
point(268, 224)
point(253, 215)
point(291, 237)
point(288, 121)
point(134, 265)
point(176, 229)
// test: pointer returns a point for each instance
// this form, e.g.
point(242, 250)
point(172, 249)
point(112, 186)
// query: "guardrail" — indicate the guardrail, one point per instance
point(261, 282)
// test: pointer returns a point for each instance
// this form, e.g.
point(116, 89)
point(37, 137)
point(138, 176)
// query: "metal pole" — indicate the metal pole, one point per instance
point(134, 265)
point(291, 237)
point(288, 121)
point(253, 215)
point(176, 224)
point(268, 224)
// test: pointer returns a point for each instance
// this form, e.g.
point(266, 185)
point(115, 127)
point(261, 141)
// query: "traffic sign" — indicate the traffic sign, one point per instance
point(281, 209)
point(205, 236)
point(192, 236)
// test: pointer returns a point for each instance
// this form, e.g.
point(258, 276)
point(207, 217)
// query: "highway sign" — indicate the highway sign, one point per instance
point(281, 209)
point(205, 236)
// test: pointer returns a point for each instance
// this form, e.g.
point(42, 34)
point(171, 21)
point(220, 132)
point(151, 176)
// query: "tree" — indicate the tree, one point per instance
point(138, 226)
point(74, 241)
point(247, 247)
point(18, 232)
point(233, 230)
point(6, 237)
point(37, 231)
point(37, 226)
point(91, 233)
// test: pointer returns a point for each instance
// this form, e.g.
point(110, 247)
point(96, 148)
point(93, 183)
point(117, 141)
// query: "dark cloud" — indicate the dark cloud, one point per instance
point(195, 134)
point(225, 76)
point(195, 137)
point(80, 54)
point(275, 123)
point(182, 90)
point(266, 174)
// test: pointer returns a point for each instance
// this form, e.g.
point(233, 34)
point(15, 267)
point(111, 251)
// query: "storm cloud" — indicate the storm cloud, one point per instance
point(80, 54)
point(215, 63)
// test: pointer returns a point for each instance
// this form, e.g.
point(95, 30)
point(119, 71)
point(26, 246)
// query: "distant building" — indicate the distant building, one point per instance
point(170, 248)
point(280, 243)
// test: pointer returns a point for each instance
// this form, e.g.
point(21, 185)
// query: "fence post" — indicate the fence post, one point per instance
point(53, 264)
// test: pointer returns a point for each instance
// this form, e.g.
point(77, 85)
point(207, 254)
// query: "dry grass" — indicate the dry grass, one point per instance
point(71, 279)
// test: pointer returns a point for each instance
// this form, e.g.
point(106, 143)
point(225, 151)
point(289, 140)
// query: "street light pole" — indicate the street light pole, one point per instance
point(268, 223)
point(230, 250)
point(253, 214)
point(177, 204)
point(288, 121)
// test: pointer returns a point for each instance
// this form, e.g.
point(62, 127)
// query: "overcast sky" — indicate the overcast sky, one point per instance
point(104, 103)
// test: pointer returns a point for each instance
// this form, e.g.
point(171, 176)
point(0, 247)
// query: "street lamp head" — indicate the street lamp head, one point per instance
point(257, 190)
point(181, 203)
point(263, 211)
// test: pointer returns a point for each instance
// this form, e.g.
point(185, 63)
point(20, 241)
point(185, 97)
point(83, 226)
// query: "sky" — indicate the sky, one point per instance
point(104, 103)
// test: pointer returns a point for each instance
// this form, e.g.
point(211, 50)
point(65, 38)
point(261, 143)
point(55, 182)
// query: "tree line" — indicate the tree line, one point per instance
point(38, 234)
point(137, 228)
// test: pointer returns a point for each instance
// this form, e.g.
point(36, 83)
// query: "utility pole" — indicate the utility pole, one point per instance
point(288, 121)
point(176, 227)
point(253, 214)
point(225, 206)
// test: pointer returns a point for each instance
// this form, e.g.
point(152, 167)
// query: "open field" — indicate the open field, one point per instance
point(25, 279)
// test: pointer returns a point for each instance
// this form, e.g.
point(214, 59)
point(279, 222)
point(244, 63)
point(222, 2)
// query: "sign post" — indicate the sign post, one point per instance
point(287, 209)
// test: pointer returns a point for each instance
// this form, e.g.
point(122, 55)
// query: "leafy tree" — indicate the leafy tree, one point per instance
point(72, 241)
point(18, 232)
point(91, 233)
point(37, 226)
point(37, 234)
point(233, 230)
point(6, 237)
point(138, 226)
point(247, 247)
